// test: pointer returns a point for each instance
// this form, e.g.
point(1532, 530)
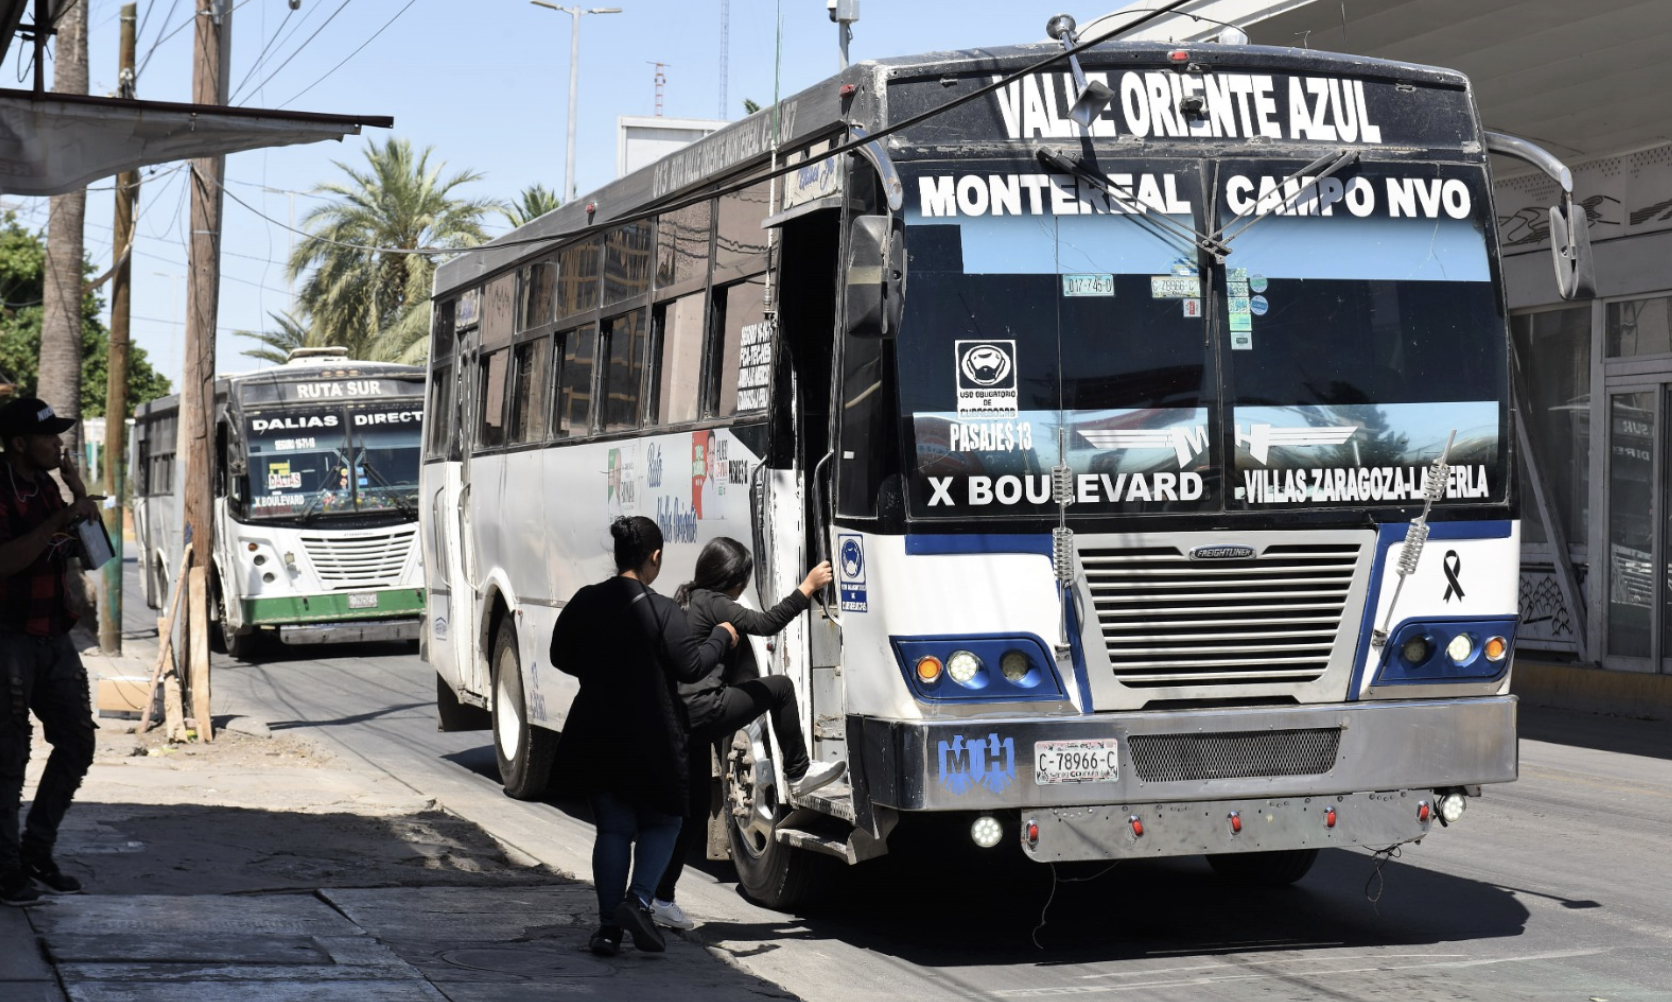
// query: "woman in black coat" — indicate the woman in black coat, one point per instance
point(623, 742)
point(733, 693)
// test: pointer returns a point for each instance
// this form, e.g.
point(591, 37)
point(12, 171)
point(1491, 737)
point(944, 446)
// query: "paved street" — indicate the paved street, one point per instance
point(1552, 888)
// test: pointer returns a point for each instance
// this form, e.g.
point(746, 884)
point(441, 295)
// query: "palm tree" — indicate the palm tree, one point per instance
point(535, 201)
point(363, 279)
point(276, 345)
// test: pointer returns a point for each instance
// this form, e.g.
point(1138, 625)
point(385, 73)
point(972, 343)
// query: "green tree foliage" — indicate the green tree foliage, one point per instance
point(360, 289)
point(535, 201)
point(22, 266)
point(288, 333)
point(750, 107)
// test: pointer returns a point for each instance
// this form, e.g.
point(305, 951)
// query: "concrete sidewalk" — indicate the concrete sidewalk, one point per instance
point(260, 867)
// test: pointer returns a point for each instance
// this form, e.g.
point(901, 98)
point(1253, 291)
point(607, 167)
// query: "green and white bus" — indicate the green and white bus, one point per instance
point(315, 501)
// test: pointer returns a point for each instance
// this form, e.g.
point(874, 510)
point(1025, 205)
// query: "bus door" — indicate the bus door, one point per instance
point(802, 464)
point(455, 513)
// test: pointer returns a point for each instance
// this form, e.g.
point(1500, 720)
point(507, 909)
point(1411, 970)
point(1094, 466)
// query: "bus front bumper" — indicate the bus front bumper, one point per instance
point(1248, 755)
point(353, 632)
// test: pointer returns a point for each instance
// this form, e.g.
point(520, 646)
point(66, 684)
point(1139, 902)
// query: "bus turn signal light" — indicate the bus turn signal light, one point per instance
point(1496, 648)
point(928, 669)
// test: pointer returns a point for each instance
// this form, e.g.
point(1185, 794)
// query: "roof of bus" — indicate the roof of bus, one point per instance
point(820, 110)
point(298, 369)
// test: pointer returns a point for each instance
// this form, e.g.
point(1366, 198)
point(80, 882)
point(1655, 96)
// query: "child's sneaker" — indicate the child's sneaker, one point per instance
point(17, 890)
point(669, 913)
point(819, 774)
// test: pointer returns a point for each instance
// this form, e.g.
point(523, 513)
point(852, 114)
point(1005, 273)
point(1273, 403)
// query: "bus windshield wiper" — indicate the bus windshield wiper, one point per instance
point(1324, 166)
point(1158, 223)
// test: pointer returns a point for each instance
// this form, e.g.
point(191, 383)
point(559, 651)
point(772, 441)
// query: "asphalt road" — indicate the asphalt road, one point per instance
point(1554, 887)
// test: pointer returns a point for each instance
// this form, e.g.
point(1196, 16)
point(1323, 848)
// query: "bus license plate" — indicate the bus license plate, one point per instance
point(1089, 761)
point(362, 600)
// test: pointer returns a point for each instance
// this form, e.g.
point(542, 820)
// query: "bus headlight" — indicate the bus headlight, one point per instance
point(962, 667)
point(1416, 650)
point(1015, 666)
point(1460, 648)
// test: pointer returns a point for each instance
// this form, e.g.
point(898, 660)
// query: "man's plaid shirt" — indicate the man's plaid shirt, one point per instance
point(36, 599)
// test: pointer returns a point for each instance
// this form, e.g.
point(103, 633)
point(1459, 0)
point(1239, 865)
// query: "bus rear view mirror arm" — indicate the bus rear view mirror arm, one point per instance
point(1570, 237)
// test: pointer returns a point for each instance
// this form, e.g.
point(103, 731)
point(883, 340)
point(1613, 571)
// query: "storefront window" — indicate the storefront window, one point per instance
point(1640, 327)
point(1554, 349)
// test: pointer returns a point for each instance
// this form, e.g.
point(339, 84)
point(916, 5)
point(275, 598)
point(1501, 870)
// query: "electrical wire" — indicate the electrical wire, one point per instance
point(255, 67)
point(852, 144)
point(262, 55)
point(351, 55)
point(297, 51)
point(162, 38)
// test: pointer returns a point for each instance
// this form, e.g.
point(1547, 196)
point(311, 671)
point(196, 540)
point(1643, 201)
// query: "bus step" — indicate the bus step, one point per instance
point(813, 842)
point(835, 800)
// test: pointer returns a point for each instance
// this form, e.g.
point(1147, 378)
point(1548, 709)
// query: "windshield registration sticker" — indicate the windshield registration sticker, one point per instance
point(1088, 285)
point(1095, 760)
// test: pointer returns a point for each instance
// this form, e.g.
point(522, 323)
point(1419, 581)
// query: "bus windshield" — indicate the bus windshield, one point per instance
point(334, 460)
point(1351, 328)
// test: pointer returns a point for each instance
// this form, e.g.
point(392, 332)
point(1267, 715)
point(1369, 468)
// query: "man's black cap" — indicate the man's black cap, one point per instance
point(31, 416)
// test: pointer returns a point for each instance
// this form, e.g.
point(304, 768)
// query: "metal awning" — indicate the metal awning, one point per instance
point(1580, 79)
point(54, 143)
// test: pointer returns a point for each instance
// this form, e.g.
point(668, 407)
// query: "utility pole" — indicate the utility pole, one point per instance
point(60, 372)
point(116, 390)
point(197, 397)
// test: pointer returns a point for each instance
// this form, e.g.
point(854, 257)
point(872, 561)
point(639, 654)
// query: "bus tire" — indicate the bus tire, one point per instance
point(1264, 869)
point(224, 638)
point(772, 874)
point(524, 753)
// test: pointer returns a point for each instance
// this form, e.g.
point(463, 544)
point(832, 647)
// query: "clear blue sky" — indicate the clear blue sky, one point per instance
point(483, 82)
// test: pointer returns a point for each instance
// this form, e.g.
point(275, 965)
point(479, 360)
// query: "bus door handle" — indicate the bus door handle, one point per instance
point(440, 539)
point(759, 512)
point(464, 537)
point(823, 514)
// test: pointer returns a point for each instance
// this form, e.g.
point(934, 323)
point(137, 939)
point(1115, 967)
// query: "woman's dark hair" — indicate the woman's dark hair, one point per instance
point(721, 566)
point(636, 538)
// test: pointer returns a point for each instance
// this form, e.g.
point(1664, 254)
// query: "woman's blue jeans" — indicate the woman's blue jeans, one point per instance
point(628, 834)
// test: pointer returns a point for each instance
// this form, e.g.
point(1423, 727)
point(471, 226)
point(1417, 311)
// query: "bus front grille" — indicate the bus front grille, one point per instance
point(1172, 758)
point(346, 562)
point(1168, 620)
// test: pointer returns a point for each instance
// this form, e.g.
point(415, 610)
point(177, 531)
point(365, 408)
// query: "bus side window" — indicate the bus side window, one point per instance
point(220, 459)
point(574, 386)
point(736, 306)
point(578, 270)
point(537, 288)
point(490, 417)
point(626, 262)
point(682, 245)
point(676, 365)
point(528, 393)
point(142, 462)
point(440, 412)
point(623, 375)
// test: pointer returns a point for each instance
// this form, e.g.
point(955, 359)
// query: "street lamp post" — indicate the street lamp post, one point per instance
point(574, 76)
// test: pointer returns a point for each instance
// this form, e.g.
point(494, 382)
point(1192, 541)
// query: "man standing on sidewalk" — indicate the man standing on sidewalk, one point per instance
point(39, 667)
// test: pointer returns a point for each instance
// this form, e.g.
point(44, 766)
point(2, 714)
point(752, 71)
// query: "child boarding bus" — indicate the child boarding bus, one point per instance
point(316, 501)
point(1123, 438)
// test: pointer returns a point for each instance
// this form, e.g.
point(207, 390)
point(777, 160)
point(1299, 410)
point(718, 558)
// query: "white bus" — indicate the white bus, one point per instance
point(316, 494)
point(1115, 432)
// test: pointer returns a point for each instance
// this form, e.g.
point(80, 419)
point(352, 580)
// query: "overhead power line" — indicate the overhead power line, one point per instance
point(297, 51)
point(351, 55)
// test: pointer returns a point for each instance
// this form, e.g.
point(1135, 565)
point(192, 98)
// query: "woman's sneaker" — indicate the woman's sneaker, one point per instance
point(606, 941)
point(819, 774)
point(46, 873)
point(17, 889)
point(668, 913)
point(637, 920)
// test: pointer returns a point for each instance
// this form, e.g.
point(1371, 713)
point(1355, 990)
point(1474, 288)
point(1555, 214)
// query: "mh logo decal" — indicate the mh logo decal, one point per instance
point(966, 763)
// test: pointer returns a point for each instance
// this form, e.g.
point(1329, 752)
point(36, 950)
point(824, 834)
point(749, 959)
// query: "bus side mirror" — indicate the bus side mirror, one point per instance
point(1570, 249)
point(876, 278)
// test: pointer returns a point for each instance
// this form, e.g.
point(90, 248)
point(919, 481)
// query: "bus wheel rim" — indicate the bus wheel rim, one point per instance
point(751, 807)
point(510, 724)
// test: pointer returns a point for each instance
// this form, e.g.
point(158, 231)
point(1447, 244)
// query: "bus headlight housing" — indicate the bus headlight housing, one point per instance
point(982, 668)
point(1427, 652)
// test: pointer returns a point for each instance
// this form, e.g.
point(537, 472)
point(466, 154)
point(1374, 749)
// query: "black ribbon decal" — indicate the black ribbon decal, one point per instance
point(1454, 563)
